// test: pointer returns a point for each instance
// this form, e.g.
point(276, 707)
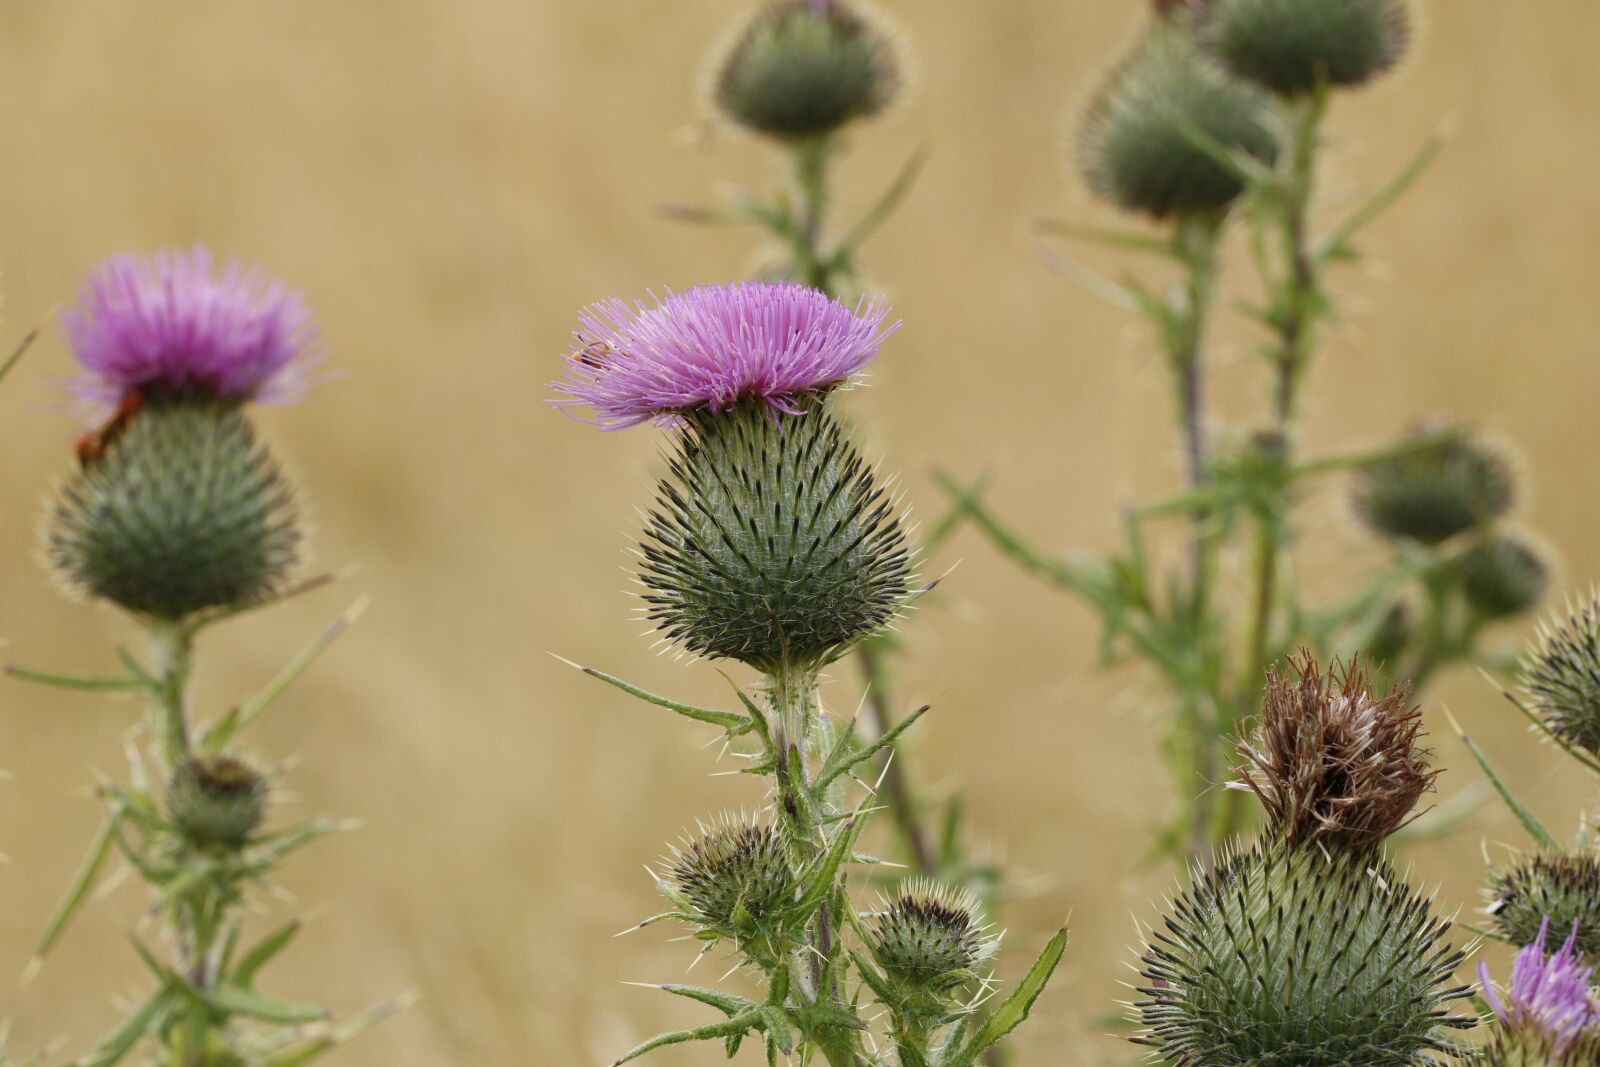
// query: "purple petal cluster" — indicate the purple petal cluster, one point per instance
point(169, 321)
point(711, 347)
point(1549, 996)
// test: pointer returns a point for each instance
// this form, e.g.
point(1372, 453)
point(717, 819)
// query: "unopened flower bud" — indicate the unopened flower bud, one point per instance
point(216, 800)
point(1563, 889)
point(1435, 491)
point(1502, 577)
point(1561, 675)
point(734, 869)
point(930, 935)
point(1292, 46)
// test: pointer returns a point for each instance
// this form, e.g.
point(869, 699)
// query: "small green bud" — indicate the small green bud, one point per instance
point(735, 870)
point(1561, 675)
point(1291, 955)
point(1434, 492)
point(1137, 145)
point(216, 800)
point(1563, 889)
point(1502, 577)
point(1292, 46)
point(802, 69)
point(770, 543)
point(184, 511)
point(930, 935)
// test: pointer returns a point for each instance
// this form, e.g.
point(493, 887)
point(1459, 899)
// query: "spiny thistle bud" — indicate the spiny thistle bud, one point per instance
point(1292, 46)
point(1549, 1015)
point(1288, 955)
point(1559, 889)
point(1137, 146)
point(216, 800)
point(1434, 492)
point(184, 510)
point(804, 68)
point(1502, 577)
point(1561, 675)
point(1331, 763)
point(734, 870)
point(930, 935)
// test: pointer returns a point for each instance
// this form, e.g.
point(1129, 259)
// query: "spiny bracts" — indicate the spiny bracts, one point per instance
point(1292, 46)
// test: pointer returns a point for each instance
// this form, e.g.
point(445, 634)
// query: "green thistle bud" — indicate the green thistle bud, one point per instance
point(929, 935)
point(1502, 577)
point(1561, 675)
point(1434, 492)
point(1291, 955)
point(1563, 889)
point(804, 68)
point(216, 800)
point(1292, 46)
point(733, 872)
point(770, 542)
point(183, 511)
point(1136, 145)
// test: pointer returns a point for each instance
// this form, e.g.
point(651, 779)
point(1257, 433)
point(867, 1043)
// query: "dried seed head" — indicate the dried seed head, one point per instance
point(1432, 493)
point(1136, 148)
point(929, 934)
point(1287, 955)
point(184, 510)
point(1330, 763)
point(1561, 675)
point(216, 800)
point(734, 869)
point(1563, 890)
point(771, 542)
point(802, 69)
point(1502, 576)
point(1292, 46)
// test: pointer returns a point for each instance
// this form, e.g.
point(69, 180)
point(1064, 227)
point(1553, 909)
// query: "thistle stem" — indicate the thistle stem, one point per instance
point(811, 160)
point(171, 647)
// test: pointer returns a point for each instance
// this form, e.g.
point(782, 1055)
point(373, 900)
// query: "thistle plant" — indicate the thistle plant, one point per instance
point(179, 515)
point(773, 544)
point(1214, 129)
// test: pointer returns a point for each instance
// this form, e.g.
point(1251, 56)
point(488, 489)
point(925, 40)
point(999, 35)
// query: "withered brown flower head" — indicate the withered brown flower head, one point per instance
point(1331, 763)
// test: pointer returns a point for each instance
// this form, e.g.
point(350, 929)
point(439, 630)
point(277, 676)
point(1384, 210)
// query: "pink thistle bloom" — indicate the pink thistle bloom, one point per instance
point(712, 347)
point(1549, 997)
point(167, 322)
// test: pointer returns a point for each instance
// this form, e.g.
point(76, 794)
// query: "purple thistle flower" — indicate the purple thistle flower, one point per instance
point(1550, 997)
point(166, 321)
point(712, 347)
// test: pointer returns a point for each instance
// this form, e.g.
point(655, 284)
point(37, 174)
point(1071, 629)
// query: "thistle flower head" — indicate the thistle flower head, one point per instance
point(1550, 999)
point(216, 800)
point(171, 324)
point(1435, 491)
point(1138, 147)
point(1287, 955)
point(1561, 675)
point(712, 347)
point(1330, 762)
point(802, 69)
point(733, 871)
point(1503, 576)
point(930, 934)
point(1292, 46)
point(1558, 889)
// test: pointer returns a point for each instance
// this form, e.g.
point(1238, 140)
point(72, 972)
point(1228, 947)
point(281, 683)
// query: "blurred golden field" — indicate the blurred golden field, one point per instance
point(448, 182)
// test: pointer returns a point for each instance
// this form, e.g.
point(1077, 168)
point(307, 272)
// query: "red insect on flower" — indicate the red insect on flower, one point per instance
point(93, 445)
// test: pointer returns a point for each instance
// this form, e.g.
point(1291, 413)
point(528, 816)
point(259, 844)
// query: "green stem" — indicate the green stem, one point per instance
point(811, 181)
point(171, 648)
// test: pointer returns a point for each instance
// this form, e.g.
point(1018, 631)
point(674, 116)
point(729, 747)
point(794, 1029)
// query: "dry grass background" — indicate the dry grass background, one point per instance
point(448, 182)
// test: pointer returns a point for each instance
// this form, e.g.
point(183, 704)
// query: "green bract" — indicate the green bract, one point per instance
point(1563, 889)
point(1292, 46)
point(734, 869)
point(1561, 674)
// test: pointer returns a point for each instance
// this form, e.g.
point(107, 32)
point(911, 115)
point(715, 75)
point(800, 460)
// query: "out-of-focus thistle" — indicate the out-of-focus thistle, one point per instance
point(179, 515)
point(1549, 1017)
point(1293, 46)
point(803, 69)
point(1150, 141)
point(1561, 675)
point(771, 544)
point(1503, 576)
point(1548, 888)
point(1445, 486)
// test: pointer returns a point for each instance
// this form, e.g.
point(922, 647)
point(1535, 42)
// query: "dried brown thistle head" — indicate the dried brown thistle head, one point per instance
point(1331, 763)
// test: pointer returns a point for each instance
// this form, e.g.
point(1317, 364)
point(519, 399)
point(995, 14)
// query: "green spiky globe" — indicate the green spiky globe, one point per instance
point(1434, 492)
point(216, 800)
point(1292, 46)
point(734, 869)
point(798, 71)
point(771, 543)
point(1561, 675)
point(1502, 577)
point(926, 934)
point(1564, 889)
point(1135, 146)
point(1289, 957)
point(184, 511)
